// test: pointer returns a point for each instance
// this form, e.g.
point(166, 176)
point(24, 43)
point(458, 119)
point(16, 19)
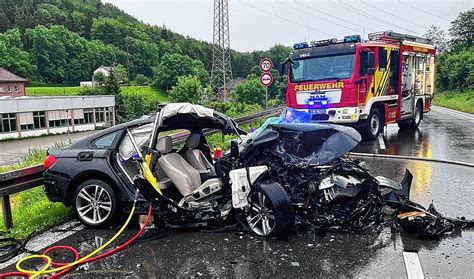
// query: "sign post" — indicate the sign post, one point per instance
point(266, 79)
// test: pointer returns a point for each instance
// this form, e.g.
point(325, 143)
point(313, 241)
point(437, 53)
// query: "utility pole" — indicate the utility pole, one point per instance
point(221, 73)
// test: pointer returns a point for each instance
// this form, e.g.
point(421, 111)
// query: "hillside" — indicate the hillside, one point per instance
point(60, 42)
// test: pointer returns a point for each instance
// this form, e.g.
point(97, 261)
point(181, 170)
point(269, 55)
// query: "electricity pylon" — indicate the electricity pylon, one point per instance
point(221, 73)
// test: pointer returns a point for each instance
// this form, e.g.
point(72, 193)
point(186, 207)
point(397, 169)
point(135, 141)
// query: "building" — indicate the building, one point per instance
point(11, 84)
point(34, 116)
point(104, 70)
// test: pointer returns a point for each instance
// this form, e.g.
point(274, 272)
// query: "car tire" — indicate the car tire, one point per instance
point(414, 122)
point(277, 205)
point(373, 126)
point(95, 203)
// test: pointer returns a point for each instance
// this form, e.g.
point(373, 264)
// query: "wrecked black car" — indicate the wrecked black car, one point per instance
point(329, 190)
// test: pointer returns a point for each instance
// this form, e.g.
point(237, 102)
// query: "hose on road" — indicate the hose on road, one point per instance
point(62, 268)
point(402, 157)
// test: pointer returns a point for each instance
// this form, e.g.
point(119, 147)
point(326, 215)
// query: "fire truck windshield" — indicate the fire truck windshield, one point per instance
point(322, 68)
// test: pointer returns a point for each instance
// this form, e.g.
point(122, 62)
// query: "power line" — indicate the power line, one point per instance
point(341, 19)
point(301, 11)
point(394, 15)
point(358, 11)
point(284, 18)
point(423, 11)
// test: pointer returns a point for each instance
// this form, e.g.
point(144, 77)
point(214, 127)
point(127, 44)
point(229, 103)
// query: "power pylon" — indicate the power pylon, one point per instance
point(221, 73)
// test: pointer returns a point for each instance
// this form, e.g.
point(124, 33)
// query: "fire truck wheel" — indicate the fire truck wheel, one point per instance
point(415, 121)
point(371, 129)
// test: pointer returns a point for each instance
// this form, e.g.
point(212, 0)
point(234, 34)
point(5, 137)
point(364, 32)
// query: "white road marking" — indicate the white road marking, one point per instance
point(413, 265)
point(46, 239)
point(453, 112)
point(381, 142)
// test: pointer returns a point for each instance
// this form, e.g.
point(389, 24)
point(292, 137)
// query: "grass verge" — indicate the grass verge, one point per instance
point(31, 209)
point(461, 101)
point(147, 91)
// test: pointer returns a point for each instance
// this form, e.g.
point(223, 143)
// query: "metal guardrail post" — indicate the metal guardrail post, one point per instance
point(7, 212)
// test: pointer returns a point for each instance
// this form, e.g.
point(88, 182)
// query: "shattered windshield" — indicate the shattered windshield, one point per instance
point(322, 68)
point(299, 140)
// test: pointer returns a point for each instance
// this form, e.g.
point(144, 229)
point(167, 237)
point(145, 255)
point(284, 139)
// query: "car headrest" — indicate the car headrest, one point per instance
point(193, 141)
point(164, 144)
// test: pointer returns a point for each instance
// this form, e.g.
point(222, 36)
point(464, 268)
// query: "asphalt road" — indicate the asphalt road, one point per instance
point(13, 151)
point(187, 253)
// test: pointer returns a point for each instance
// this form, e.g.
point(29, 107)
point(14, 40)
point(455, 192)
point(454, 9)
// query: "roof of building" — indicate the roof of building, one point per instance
point(9, 76)
point(107, 68)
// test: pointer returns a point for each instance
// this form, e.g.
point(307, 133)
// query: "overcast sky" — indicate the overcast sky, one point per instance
point(260, 24)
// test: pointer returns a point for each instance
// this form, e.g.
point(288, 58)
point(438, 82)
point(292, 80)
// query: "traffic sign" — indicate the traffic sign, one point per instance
point(266, 65)
point(266, 79)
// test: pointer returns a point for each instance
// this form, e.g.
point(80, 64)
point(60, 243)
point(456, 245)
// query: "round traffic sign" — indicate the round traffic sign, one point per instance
point(266, 65)
point(266, 79)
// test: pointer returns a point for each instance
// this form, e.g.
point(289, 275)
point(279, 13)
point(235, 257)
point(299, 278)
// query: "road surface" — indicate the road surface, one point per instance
point(188, 253)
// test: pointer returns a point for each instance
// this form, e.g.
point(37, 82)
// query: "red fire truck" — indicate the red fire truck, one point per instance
point(365, 84)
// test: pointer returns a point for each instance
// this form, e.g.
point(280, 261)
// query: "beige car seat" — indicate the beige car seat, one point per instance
point(195, 157)
point(186, 178)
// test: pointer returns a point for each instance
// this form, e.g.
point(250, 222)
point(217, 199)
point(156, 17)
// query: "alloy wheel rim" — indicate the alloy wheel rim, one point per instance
point(93, 204)
point(374, 124)
point(261, 218)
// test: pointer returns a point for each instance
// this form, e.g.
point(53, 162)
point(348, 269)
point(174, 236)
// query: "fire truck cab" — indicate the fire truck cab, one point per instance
point(365, 84)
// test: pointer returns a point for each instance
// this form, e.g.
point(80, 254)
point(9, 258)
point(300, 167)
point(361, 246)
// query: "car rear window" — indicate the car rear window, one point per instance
point(105, 141)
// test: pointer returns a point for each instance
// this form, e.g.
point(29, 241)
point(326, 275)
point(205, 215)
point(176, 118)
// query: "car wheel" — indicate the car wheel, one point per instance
point(373, 126)
point(271, 212)
point(414, 122)
point(95, 203)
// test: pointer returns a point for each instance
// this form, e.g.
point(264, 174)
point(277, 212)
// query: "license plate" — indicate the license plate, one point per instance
point(319, 111)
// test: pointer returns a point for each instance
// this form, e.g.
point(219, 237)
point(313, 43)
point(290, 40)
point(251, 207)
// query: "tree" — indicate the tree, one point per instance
point(437, 36)
point(13, 57)
point(462, 30)
point(250, 92)
point(188, 89)
point(100, 78)
point(171, 67)
point(112, 85)
point(120, 73)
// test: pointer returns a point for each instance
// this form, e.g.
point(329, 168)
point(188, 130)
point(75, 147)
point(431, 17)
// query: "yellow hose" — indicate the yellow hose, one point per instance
point(45, 270)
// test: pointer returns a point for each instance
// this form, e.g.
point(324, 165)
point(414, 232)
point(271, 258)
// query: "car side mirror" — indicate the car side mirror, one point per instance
point(370, 59)
point(370, 71)
point(234, 149)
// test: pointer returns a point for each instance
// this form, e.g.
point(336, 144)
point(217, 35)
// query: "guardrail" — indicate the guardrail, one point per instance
point(13, 182)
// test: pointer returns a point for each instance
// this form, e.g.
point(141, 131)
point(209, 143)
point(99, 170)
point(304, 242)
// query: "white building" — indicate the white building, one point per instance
point(104, 70)
point(34, 116)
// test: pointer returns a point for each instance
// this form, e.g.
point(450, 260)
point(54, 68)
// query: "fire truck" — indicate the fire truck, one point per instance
point(368, 84)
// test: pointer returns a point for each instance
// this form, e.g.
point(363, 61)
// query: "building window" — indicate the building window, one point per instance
point(59, 123)
point(7, 122)
point(99, 115)
point(9, 89)
point(16, 88)
point(2, 88)
point(110, 119)
point(39, 118)
point(86, 117)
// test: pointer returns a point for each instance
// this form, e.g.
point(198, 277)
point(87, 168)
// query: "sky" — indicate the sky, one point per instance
point(260, 24)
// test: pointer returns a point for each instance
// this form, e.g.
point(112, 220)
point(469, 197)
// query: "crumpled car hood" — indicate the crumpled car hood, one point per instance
point(310, 143)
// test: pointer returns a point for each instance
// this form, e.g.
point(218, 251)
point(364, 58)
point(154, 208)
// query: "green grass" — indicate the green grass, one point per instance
point(462, 101)
point(53, 91)
point(31, 209)
point(147, 91)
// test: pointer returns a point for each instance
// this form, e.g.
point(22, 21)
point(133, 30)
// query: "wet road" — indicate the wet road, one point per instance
point(187, 253)
point(443, 134)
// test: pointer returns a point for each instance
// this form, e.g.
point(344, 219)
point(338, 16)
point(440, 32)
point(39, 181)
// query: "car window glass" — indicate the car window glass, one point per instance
point(105, 141)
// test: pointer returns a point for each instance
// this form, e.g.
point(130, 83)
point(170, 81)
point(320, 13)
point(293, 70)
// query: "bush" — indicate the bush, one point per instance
point(188, 89)
point(141, 80)
point(234, 109)
point(133, 106)
point(455, 71)
point(250, 92)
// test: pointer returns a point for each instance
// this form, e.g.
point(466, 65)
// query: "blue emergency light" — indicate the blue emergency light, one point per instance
point(352, 39)
point(300, 45)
